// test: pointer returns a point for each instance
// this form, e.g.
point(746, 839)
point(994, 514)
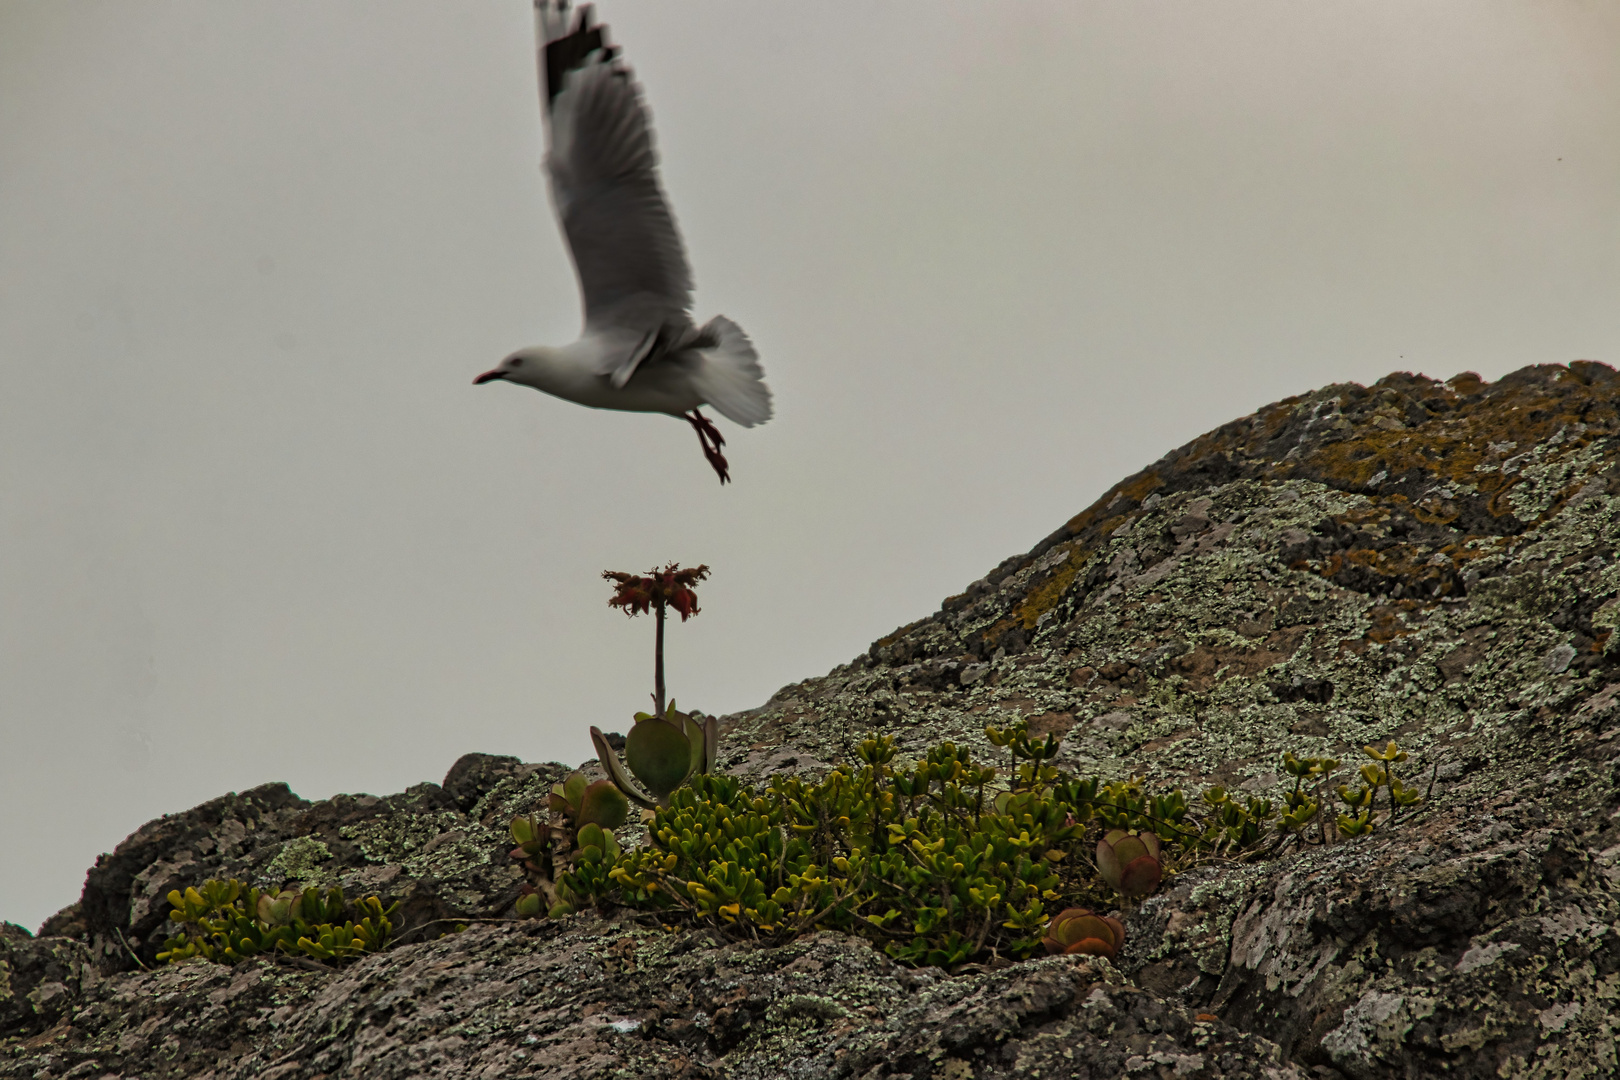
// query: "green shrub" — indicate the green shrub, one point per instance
point(226, 921)
point(933, 861)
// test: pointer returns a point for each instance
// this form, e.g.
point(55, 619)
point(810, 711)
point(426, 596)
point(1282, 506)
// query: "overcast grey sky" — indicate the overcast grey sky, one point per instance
point(256, 523)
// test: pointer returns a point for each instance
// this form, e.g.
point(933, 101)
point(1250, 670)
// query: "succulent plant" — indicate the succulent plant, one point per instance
point(589, 875)
point(530, 902)
point(1383, 774)
point(1235, 826)
point(1300, 810)
point(534, 839)
point(1301, 807)
point(1079, 930)
point(1130, 862)
point(918, 857)
point(1356, 824)
point(226, 921)
point(578, 806)
point(661, 752)
point(583, 803)
point(930, 859)
point(370, 933)
point(1379, 773)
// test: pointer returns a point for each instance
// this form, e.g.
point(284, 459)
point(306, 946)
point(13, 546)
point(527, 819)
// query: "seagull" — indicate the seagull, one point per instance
point(640, 350)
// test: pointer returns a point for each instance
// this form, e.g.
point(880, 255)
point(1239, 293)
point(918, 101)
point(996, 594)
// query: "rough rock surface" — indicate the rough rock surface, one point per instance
point(1427, 562)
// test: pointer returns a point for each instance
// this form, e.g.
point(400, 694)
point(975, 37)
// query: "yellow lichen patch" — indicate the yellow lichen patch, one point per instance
point(1358, 459)
point(1137, 487)
point(1045, 596)
point(1470, 430)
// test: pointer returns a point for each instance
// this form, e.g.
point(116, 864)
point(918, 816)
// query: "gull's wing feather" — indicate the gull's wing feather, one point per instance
point(604, 180)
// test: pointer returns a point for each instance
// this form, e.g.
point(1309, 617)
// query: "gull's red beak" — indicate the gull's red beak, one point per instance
point(489, 376)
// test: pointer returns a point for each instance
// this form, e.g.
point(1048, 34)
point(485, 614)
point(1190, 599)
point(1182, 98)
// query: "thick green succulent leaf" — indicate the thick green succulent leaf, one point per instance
point(1108, 863)
point(1139, 877)
point(610, 761)
point(660, 756)
point(694, 736)
point(1130, 861)
point(603, 804)
point(711, 744)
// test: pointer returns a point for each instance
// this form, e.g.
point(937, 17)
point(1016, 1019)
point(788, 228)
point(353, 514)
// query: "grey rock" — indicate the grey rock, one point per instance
point(581, 998)
point(1477, 935)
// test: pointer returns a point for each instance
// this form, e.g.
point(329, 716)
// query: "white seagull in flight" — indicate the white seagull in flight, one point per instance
point(640, 350)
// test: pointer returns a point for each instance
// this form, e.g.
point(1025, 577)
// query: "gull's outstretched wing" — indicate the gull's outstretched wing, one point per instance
point(604, 180)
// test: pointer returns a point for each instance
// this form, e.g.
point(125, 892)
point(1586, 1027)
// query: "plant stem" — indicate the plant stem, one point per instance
point(658, 662)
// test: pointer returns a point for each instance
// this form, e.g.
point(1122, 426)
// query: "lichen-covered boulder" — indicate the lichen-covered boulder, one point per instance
point(1427, 562)
point(438, 850)
point(576, 999)
point(40, 978)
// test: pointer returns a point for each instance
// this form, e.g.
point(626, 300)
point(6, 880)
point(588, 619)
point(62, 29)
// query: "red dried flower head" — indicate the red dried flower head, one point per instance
point(671, 586)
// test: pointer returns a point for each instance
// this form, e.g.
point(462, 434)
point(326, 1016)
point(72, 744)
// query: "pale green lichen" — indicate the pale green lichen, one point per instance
point(299, 861)
point(423, 844)
point(1459, 680)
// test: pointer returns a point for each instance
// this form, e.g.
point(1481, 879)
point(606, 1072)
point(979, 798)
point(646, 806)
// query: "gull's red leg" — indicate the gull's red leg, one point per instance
point(712, 441)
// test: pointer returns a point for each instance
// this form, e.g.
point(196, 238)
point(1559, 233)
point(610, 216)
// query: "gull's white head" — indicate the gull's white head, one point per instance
point(527, 366)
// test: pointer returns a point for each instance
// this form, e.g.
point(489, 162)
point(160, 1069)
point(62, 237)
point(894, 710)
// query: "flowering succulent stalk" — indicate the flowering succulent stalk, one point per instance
point(655, 591)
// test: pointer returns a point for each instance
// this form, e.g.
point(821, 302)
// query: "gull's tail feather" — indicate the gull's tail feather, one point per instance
point(729, 377)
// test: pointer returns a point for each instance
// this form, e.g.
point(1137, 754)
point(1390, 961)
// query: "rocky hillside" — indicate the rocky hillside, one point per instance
point(1428, 562)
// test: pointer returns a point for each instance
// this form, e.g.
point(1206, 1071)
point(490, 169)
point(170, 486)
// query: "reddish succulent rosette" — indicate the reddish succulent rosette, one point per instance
point(1130, 861)
point(1080, 930)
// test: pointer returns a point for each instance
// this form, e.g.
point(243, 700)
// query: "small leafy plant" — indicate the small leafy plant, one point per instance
point(584, 815)
point(227, 921)
point(581, 803)
point(1379, 774)
point(1301, 807)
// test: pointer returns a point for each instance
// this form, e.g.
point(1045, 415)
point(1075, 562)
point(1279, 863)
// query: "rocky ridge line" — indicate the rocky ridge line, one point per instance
point(1431, 562)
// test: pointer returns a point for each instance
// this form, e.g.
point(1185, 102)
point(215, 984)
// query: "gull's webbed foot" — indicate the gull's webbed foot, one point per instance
point(712, 441)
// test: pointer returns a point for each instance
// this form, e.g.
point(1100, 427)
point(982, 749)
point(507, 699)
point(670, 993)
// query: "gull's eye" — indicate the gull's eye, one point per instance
point(517, 362)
